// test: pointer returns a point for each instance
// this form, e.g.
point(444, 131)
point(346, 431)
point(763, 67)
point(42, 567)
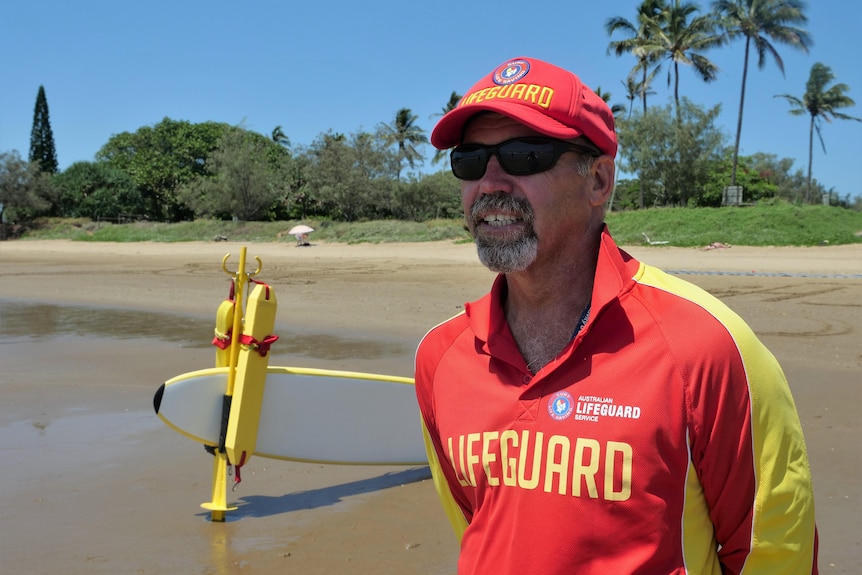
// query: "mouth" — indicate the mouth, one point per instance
point(500, 214)
point(498, 220)
point(498, 227)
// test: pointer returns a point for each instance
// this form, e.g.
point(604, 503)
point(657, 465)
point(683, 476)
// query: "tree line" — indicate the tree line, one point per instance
point(176, 170)
point(677, 33)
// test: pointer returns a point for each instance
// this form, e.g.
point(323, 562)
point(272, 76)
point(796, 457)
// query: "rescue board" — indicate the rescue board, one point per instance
point(311, 415)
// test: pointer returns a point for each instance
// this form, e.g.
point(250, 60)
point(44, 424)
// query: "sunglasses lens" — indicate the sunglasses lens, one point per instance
point(523, 157)
point(469, 162)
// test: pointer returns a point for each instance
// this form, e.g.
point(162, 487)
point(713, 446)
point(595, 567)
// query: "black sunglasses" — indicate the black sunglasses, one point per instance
point(518, 156)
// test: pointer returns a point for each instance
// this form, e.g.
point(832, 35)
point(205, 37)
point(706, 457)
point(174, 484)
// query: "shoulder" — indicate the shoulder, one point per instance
point(440, 338)
point(686, 307)
point(704, 334)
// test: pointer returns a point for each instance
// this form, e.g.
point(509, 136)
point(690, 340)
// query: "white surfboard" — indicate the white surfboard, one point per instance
point(311, 415)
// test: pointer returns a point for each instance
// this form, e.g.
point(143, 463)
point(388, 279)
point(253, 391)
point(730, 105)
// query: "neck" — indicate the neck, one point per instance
point(544, 303)
point(560, 281)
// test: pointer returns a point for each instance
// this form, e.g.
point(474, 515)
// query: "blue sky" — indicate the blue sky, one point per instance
point(111, 66)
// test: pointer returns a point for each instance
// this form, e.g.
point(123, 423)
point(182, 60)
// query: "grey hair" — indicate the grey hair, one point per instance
point(584, 164)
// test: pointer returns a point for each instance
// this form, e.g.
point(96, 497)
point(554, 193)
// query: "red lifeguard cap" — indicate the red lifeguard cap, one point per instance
point(547, 98)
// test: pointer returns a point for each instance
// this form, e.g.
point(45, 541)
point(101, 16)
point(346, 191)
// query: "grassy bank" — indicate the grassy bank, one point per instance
point(782, 224)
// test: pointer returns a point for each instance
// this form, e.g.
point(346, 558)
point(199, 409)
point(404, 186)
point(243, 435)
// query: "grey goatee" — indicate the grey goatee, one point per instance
point(504, 254)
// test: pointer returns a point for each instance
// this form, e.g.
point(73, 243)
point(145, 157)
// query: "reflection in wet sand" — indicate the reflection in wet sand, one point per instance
point(19, 320)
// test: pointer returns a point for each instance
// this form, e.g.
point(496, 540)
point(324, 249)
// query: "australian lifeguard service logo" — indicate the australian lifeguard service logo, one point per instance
point(511, 72)
point(560, 405)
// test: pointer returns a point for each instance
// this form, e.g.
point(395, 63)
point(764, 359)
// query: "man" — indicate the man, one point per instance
point(592, 414)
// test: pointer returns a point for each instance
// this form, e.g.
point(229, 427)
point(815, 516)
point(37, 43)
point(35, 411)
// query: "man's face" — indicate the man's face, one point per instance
point(519, 220)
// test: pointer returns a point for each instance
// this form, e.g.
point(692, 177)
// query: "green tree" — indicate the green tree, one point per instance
point(404, 133)
point(681, 37)
point(42, 149)
point(24, 189)
point(161, 159)
point(247, 178)
point(673, 150)
point(639, 43)
point(349, 178)
point(96, 190)
point(820, 102)
point(757, 184)
point(433, 196)
point(759, 21)
point(626, 194)
point(302, 202)
point(790, 182)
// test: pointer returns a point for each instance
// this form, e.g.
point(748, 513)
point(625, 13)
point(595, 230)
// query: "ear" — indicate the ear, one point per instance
point(603, 180)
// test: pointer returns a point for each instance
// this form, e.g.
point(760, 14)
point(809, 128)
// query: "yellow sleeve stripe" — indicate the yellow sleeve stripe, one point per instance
point(450, 506)
point(698, 537)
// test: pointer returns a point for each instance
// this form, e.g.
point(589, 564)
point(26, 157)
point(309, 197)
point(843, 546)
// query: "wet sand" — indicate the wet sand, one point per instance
point(94, 483)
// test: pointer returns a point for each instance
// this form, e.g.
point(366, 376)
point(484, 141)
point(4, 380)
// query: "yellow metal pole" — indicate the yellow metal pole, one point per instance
point(218, 505)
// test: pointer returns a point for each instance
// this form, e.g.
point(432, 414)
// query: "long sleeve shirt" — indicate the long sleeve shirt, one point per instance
point(662, 440)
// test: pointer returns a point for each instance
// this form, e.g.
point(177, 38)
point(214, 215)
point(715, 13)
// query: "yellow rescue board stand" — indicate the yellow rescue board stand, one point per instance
point(240, 419)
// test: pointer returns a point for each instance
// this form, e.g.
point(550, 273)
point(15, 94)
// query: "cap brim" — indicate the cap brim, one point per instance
point(450, 129)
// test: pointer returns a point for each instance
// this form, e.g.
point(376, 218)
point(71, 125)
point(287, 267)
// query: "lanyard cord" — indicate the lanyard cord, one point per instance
point(585, 316)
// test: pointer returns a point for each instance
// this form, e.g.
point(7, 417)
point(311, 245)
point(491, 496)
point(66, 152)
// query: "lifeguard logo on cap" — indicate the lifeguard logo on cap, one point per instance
point(511, 72)
point(560, 405)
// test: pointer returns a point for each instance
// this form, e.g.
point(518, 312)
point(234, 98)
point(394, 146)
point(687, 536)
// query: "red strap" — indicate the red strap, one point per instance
point(236, 473)
point(262, 347)
point(265, 285)
point(222, 342)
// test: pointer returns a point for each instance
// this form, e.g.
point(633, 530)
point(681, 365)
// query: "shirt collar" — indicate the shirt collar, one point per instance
point(615, 272)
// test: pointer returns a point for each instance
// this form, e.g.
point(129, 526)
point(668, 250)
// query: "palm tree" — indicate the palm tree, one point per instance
point(632, 91)
point(454, 98)
point(820, 103)
point(649, 15)
point(635, 90)
point(681, 41)
point(404, 132)
point(279, 137)
point(760, 21)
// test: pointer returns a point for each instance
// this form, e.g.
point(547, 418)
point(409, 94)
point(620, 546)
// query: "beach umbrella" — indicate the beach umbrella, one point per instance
point(300, 229)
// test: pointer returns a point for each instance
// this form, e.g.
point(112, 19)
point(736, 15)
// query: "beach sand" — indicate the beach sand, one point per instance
point(94, 483)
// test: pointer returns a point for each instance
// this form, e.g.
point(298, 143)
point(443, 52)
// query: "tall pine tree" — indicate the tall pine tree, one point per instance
point(42, 148)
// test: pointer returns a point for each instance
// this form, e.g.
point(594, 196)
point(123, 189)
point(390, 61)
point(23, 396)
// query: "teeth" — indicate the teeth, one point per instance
point(500, 219)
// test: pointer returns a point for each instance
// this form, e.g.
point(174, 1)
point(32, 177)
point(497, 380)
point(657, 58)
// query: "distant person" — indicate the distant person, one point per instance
point(593, 414)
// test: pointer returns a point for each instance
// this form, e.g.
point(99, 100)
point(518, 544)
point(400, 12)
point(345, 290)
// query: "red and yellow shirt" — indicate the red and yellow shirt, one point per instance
point(662, 440)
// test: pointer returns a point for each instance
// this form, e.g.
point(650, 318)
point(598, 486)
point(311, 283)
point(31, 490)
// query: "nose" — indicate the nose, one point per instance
point(495, 178)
